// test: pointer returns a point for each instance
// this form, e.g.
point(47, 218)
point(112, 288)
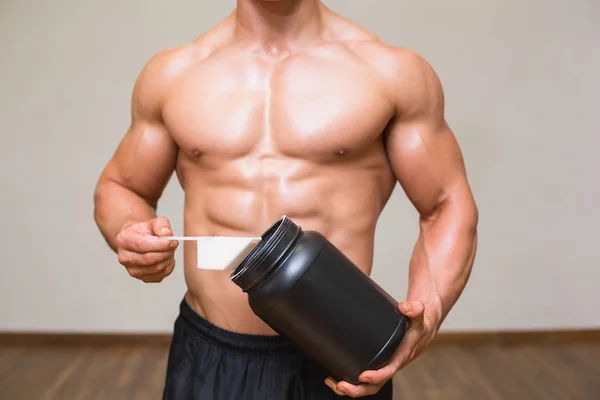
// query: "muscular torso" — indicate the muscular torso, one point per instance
point(261, 137)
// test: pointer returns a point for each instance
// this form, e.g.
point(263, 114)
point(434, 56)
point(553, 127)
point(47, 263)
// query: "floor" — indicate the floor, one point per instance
point(445, 371)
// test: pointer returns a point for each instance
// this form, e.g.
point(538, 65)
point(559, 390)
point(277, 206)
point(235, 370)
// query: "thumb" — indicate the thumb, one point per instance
point(413, 310)
point(161, 227)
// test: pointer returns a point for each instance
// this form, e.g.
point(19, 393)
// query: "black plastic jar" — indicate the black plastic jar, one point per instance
point(307, 290)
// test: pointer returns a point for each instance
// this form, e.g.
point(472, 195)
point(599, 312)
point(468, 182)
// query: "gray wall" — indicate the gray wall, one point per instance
point(523, 92)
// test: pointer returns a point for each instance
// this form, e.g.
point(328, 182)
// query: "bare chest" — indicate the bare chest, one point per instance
point(308, 107)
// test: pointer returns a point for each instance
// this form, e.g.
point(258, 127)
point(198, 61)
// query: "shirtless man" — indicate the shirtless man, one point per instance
point(285, 108)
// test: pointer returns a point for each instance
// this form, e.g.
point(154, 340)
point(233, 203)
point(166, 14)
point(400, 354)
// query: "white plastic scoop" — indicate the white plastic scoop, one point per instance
point(220, 253)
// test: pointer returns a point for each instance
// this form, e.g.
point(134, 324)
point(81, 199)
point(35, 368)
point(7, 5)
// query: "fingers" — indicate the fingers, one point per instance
point(414, 310)
point(373, 381)
point(137, 242)
point(153, 274)
point(354, 391)
point(380, 376)
point(409, 346)
point(131, 259)
point(333, 386)
point(161, 227)
point(157, 278)
point(147, 256)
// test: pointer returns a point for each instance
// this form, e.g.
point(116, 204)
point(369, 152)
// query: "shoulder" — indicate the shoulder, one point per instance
point(391, 63)
point(397, 65)
point(156, 77)
point(166, 66)
point(410, 80)
point(387, 59)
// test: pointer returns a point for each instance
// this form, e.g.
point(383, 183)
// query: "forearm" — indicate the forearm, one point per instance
point(116, 207)
point(443, 256)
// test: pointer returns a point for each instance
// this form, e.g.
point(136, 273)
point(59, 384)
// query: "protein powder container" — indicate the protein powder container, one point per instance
point(307, 290)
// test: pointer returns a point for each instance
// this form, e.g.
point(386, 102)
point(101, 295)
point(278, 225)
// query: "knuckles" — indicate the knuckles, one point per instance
point(147, 259)
point(123, 259)
point(162, 221)
point(133, 273)
point(155, 267)
point(120, 240)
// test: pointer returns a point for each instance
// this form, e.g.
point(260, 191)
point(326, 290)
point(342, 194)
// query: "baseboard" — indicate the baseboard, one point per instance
point(520, 337)
point(31, 339)
point(84, 339)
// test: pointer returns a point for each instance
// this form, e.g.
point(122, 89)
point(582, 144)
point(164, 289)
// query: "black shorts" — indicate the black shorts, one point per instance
point(210, 363)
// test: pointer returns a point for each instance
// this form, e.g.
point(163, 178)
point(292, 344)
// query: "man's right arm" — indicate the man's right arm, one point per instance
point(132, 182)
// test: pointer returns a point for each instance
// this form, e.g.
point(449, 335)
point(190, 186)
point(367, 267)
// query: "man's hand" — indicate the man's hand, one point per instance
point(418, 337)
point(147, 256)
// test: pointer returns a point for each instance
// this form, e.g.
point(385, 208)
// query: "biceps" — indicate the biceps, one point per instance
point(144, 160)
point(428, 164)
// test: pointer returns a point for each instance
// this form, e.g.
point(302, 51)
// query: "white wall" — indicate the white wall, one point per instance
point(523, 93)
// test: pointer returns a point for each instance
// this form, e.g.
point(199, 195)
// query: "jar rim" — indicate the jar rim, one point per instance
point(275, 243)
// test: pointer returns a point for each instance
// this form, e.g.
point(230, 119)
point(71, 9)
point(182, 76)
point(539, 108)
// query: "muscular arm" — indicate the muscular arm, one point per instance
point(427, 161)
point(131, 184)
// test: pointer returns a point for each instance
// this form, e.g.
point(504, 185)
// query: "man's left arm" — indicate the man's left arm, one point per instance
point(427, 162)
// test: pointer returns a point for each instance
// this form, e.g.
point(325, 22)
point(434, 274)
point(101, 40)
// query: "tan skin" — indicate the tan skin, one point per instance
point(286, 108)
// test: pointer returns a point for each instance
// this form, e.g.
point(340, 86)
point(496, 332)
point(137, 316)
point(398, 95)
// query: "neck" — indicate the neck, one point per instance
point(276, 25)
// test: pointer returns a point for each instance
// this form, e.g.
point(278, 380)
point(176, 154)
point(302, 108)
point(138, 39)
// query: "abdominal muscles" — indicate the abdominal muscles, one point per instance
point(244, 197)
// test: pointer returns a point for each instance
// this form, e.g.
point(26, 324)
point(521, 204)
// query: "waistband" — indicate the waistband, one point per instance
point(263, 344)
